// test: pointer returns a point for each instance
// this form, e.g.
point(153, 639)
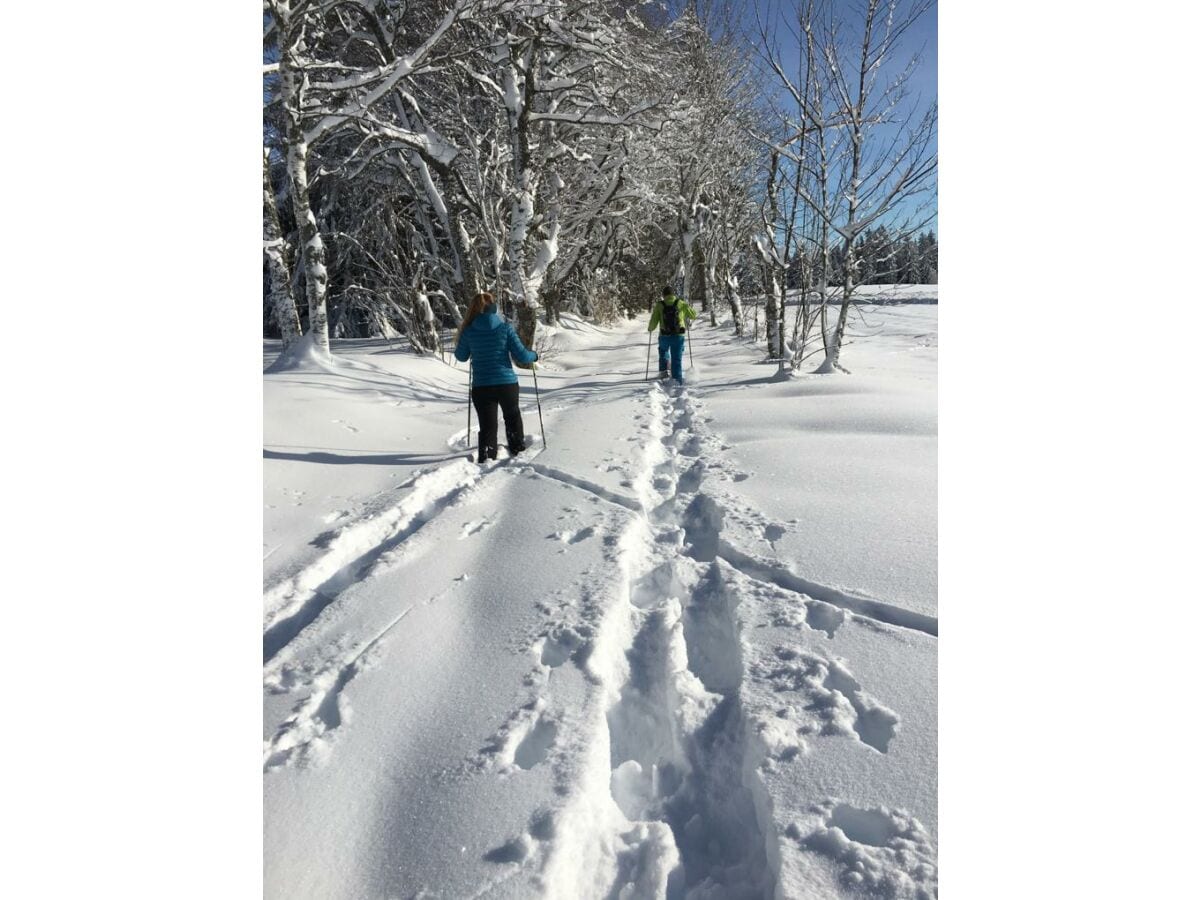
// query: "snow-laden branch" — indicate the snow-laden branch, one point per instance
point(384, 78)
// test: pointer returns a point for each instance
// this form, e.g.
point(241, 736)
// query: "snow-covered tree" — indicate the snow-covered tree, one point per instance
point(560, 70)
point(863, 156)
point(891, 158)
point(711, 160)
point(280, 301)
point(339, 65)
point(567, 154)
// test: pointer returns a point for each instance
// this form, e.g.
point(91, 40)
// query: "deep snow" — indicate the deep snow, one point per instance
point(686, 648)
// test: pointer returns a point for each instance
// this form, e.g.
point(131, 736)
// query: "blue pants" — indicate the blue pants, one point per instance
point(671, 345)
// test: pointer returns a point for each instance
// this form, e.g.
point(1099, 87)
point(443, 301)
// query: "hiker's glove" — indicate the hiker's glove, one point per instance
point(533, 367)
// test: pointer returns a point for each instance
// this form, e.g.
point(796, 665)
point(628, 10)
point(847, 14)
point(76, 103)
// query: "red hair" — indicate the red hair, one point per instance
point(477, 305)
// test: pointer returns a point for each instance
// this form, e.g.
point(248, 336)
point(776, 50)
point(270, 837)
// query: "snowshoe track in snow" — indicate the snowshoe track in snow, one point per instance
point(684, 749)
point(305, 736)
point(677, 749)
point(523, 742)
point(659, 775)
point(832, 702)
point(878, 852)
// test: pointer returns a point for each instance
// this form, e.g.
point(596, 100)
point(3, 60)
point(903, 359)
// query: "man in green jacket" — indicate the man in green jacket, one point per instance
point(672, 314)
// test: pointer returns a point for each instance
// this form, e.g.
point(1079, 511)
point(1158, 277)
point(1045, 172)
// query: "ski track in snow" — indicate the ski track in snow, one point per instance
point(351, 551)
point(304, 738)
point(866, 607)
point(659, 775)
point(584, 485)
point(354, 550)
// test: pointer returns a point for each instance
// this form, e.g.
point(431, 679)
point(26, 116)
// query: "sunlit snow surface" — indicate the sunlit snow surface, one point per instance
point(684, 647)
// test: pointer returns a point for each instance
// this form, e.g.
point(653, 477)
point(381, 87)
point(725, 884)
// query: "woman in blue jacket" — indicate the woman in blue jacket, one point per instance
point(490, 341)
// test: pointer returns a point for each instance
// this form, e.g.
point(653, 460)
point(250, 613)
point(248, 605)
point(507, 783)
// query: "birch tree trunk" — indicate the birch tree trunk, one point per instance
point(782, 327)
point(547, 250)
point(518, 89)
point(833, 341)
point(312, 247)
point(424, 326)
point(735, 302)
point(699, 264)
point(826, 255)
point(469, 284)
point(520, 216)
point(283, 305)
point(709, 257)
point(770, 300)
point(874, 186)
point(687, 238)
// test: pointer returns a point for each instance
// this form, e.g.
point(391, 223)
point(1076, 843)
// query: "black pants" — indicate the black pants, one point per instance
point(486, 398)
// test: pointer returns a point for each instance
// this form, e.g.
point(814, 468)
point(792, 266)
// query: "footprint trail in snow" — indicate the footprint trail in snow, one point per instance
point(646, 708)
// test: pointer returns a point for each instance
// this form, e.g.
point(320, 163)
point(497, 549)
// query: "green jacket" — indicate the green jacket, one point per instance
point(686, 313)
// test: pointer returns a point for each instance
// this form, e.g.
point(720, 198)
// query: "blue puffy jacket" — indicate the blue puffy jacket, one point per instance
point(489, 341)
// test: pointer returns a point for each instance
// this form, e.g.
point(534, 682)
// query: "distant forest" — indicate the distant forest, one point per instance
point(883, 258)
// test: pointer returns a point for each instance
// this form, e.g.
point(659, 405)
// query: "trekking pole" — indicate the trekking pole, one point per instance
point(691, 361)
point(649, 341)
point(470, 384)
point(539, 403)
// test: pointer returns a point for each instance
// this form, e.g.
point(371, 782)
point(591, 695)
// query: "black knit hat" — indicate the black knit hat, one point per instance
point(667, 292)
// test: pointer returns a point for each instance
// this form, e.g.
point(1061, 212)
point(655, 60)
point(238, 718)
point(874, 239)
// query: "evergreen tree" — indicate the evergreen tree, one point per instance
point(927, 258)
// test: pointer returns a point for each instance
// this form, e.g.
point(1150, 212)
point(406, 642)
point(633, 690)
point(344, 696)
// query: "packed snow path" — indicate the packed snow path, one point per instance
point(599, 670)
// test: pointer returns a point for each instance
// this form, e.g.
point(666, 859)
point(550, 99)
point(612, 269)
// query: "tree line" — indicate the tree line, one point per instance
point(577, 155)
point(883, 257)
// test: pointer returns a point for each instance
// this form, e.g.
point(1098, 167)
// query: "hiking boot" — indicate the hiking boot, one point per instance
point(485, 452)
point(517, 442)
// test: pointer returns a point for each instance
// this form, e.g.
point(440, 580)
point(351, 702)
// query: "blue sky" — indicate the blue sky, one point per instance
point(921, 39)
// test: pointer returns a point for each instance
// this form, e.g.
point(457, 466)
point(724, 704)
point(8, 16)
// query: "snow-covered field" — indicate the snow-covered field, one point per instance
point(896, 293)
point(888, 294)
point(686, 648)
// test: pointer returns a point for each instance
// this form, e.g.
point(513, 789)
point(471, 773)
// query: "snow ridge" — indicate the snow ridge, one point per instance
point(665, 709)
point(690, 639)
point(294, 603)
point(584, 485)
point(864, 606)
point(686, 822)
point(698, 720)
point(305, 737)
point(790, 699)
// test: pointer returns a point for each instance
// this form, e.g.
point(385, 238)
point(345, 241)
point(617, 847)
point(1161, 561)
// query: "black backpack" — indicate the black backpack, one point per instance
point(670, 318)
